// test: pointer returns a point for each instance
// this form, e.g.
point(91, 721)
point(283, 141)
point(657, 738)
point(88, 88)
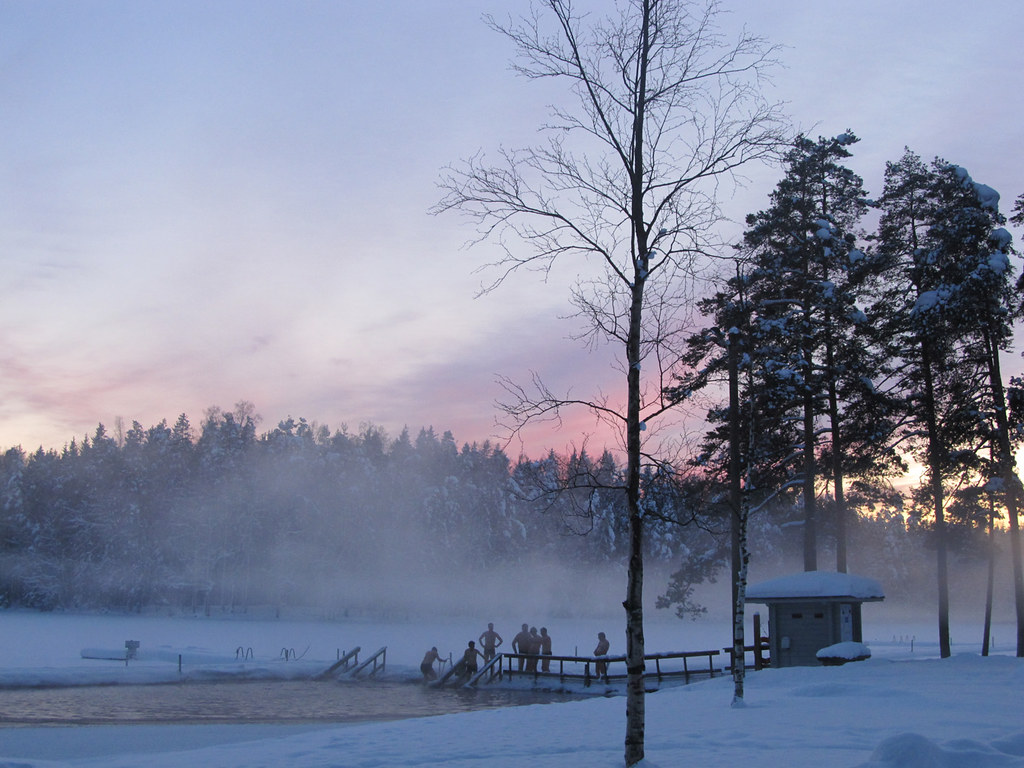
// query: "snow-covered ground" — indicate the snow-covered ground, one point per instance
point(904, 708)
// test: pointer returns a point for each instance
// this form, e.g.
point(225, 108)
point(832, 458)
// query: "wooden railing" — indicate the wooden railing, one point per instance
point(760, 650)
point(342, 664)
point(382, 655)
point(585, 667)
point(490, 670)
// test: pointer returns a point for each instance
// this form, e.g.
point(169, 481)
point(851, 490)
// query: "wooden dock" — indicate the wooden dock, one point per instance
point(685, 665)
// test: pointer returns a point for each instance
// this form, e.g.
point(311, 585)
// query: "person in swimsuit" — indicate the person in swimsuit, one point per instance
point(521, 644)
point(468, 665)
point(545, 649)
point(427, 665)
point(490, 640)
point(602, 650)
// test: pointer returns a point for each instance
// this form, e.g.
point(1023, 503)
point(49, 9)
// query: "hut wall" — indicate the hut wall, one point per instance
point(799, 629)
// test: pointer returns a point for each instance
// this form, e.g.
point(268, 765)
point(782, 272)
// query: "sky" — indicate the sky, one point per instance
point(205, 203)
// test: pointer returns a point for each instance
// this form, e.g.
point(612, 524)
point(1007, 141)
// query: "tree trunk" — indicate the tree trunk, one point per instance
point(739, 526)
point(739, 667)
point(634, 602)
point(810, 471)
point(635, 704)
point(1011, 483)
point(837, 460)
point(935, 467)
point(634, 605)
point(990, 583)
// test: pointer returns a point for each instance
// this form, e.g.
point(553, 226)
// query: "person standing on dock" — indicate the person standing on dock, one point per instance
point(521, 644)
point(468, 663)
point(545, 649)
point(532, 646)
point(490, 640)
point(427, 665)
point(602, 650)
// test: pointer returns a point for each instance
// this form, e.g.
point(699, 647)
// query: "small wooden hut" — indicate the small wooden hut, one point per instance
point(812, 610)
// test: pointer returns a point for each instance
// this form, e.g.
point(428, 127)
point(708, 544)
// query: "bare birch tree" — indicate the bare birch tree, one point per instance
point(662, 108)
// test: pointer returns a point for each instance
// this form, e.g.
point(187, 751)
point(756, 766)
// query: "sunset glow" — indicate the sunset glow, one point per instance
point(204, 203)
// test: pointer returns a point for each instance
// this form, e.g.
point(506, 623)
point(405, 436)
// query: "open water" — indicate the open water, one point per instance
point(280, 702)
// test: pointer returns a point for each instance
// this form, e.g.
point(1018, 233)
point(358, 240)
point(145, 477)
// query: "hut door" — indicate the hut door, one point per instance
point(845, 622)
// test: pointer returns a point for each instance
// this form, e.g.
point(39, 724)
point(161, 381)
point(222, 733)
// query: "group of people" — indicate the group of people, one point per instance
point(529, 645)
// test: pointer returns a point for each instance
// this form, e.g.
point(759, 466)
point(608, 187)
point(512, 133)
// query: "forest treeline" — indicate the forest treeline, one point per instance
point(298, 516)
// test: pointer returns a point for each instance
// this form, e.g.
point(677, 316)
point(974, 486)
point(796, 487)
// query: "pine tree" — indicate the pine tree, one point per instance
point(804, 283)
point(969, 229)
point(746, 452)
point(937, 258)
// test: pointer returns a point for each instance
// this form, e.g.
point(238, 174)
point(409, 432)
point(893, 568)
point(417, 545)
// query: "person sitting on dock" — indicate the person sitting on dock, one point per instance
point(490, 640)
point(602, 650)
point(427, 665)
point(545, 649)
point(521, 644)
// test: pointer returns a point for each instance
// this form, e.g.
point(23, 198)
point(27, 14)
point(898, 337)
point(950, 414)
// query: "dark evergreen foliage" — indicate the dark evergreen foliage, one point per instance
point(234, 518)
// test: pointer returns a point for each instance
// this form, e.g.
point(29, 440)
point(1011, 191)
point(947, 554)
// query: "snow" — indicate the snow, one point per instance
point(1002, 238)
point(987, 197)
point(929, 300)
point(857, 316)
point(816, 584)
point(961, 173)
point(849, 650)
point(998, 262)
point(900, 709)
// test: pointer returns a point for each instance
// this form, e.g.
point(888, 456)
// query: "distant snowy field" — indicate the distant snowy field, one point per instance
point(902, 709)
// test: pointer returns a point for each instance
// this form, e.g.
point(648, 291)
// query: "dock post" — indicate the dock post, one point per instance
point(758, 658)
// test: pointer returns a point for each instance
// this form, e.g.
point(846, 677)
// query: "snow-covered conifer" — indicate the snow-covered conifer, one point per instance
point(945, 306)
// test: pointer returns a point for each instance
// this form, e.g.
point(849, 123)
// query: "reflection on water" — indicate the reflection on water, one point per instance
point(250, 702)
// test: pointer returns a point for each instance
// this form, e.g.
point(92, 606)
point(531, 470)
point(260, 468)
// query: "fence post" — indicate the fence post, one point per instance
point(758, 658)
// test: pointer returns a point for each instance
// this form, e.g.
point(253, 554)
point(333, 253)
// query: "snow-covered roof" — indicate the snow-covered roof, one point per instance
point(816, 584)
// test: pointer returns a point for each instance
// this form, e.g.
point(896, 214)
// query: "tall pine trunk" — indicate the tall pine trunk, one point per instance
point(990, 581)
point(935, 466)
point(810, 471)
point(1011, 483)
point(837, 458)
point(810, 460)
